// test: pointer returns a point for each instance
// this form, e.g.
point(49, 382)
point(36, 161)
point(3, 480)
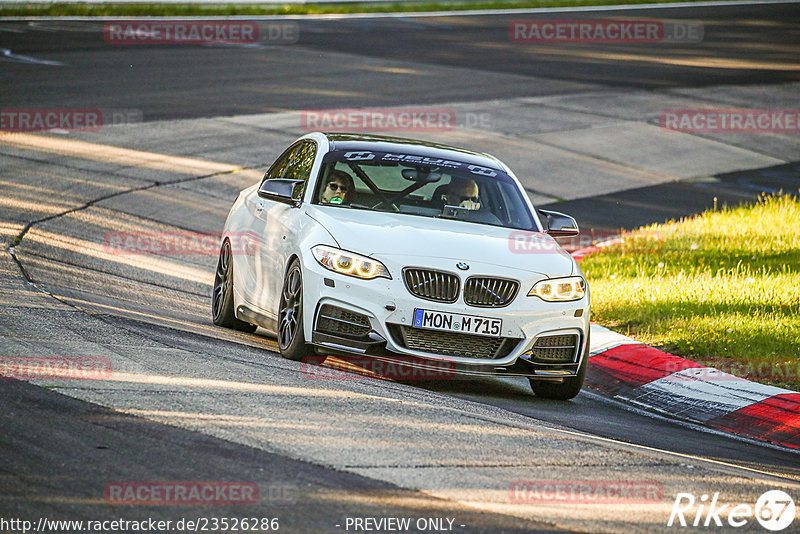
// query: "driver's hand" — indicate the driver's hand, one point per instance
point(470, 205)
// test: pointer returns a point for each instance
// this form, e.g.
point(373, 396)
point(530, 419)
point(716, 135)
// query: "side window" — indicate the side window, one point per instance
point(279, 167)
point(302, 161)
point(294, 164)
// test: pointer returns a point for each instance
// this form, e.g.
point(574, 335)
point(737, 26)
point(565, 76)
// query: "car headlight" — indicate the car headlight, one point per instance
point(349, 263)
point(559, 289)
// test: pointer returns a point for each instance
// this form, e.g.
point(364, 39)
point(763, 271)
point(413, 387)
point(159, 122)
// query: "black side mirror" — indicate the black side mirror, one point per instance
point(282, 190)
point(560, 225)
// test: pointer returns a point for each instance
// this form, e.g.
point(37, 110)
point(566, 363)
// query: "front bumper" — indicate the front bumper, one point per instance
point(374, 317)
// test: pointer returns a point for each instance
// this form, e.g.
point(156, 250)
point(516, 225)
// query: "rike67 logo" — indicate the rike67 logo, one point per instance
point(774, 510)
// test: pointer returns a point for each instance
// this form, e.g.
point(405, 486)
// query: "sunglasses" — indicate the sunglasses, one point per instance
point(463, 198)
point(337, 187)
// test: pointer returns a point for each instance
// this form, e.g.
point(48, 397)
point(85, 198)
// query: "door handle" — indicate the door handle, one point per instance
point(260, 207)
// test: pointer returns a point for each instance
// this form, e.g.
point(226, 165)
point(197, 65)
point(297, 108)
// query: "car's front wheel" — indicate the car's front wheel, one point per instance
point(291, 337)
point(222, 296)
point(567, 389)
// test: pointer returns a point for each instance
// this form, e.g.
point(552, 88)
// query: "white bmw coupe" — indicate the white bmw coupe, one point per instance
point(409, 252)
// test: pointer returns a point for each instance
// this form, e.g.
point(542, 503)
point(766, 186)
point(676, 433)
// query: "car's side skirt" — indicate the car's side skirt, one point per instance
point(270, 324)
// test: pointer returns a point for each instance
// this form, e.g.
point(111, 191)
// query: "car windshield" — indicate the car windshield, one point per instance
point(426, 187)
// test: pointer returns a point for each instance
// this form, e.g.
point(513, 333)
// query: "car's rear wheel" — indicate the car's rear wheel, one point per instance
point(567, 389)
point(291, 337)
point(222, 297)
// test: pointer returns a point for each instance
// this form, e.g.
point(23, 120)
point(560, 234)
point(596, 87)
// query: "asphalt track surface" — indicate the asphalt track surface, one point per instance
point(318, 445)
point(756, 44)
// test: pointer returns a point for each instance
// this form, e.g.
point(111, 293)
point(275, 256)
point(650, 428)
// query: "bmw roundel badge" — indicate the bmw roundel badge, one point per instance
point(463, 266)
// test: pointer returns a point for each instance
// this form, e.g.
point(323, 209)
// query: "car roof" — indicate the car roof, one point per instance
point(380, 143)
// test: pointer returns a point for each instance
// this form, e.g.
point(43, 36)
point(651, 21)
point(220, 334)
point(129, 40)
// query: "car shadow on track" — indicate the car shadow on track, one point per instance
point(486, 389)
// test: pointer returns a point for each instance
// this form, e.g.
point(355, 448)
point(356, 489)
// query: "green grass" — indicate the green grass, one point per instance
point(28, 9)
point(722, 289)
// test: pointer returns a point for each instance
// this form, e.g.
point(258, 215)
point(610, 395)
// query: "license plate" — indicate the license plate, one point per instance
point(455, 322)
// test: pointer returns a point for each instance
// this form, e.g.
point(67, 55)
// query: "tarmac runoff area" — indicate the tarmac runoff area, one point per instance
point(149, 314)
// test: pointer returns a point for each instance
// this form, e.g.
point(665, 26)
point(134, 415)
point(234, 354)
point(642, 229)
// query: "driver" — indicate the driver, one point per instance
point(462, 193)
point(337, 188)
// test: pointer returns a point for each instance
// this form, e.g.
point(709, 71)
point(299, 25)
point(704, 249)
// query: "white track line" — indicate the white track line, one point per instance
point(465, 13)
